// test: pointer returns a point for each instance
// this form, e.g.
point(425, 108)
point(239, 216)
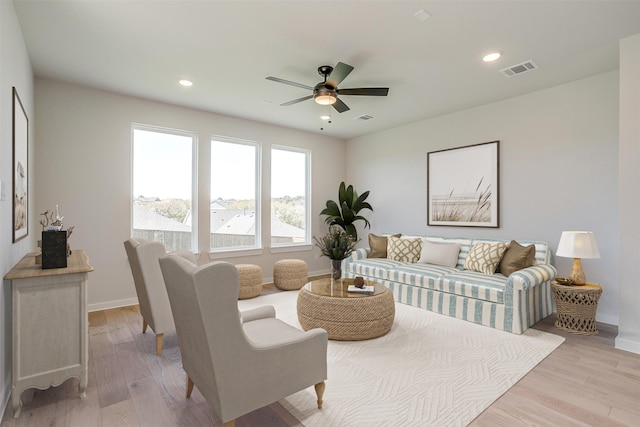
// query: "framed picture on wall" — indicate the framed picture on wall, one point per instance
point(20, 169)
point(463, 185)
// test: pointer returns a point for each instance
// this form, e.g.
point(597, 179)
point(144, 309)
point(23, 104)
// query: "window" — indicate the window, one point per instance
point(163, 186)
point(290, 183)
point(235, 194)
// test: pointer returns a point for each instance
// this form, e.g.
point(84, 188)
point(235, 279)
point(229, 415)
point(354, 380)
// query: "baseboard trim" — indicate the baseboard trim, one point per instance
point(609, 320)
point(627, 345)
point(112, 304)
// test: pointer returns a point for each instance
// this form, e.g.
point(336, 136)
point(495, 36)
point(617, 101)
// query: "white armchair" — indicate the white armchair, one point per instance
point(143, 258)
point(238, 362)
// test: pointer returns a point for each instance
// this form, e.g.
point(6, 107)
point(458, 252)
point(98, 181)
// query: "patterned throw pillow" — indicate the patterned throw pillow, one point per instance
point(404, 249)
point(484, 257)
point(378, 245)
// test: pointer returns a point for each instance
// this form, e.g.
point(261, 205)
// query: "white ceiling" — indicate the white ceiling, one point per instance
point(227, 48)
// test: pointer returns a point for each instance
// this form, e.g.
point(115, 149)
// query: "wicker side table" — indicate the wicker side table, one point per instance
point(576, 307)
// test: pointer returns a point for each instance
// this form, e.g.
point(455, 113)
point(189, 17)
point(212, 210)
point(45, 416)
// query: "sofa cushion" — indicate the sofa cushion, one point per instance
point(404, 248)
point(484, 257)
point(473, 285)
point(373, 268)
point(378, 245)
point(516, 258)
point(416, 274)
point(445, 254)
point(449, 280)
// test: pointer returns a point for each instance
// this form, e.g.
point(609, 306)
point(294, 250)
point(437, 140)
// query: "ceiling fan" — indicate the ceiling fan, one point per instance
point(326, 92)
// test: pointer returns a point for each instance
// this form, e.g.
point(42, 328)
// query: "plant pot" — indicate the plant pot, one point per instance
point(336, 269)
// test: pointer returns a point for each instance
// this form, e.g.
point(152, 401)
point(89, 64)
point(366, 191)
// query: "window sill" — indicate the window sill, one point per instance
point(290, 248)
point(232, 253)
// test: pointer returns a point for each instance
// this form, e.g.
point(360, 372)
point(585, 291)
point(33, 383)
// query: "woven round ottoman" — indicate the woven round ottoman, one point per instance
point(250, 277)
point(290, 274)
point(344, 315)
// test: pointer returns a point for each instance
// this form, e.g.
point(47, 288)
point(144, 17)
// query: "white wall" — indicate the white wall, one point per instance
point(83, 164)
point(15, 70)
point(629, 206)
point(558, 171)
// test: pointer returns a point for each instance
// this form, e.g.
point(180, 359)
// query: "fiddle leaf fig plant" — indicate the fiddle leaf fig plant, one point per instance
point(346, 211)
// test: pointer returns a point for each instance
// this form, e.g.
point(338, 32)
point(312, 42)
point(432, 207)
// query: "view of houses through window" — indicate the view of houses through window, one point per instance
point(235, 194)
point(289, 198)
point(164, 182)
point(163, 186)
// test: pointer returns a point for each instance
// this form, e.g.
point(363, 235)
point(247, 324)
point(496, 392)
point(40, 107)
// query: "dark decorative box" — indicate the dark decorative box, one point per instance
point(54, 249)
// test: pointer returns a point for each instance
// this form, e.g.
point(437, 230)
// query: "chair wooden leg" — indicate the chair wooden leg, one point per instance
point(320, 392)
point(144, 326)
point(231, 423)
point(159, 343)
point(189, 387)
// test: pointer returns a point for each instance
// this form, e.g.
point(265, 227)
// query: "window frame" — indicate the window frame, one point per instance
point(306, 245)
point(194, 174)
point(256, 249)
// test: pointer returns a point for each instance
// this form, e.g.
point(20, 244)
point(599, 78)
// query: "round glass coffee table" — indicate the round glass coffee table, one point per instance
point(346, 316)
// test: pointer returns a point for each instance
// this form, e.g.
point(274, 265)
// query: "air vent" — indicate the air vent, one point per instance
point(363, 117)
point(519, 69)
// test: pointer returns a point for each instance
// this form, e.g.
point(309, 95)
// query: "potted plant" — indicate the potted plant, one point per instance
point(344, 213)
point(336, 245)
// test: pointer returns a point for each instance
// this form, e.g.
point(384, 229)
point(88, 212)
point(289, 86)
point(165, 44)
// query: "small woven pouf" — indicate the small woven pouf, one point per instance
point(250, 277)
point(290, 274)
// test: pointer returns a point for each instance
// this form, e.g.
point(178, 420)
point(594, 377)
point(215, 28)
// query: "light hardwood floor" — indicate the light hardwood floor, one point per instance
point(584, 382)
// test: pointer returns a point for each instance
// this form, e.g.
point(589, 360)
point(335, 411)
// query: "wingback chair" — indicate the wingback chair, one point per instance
point(240, 362)
point(152, 294)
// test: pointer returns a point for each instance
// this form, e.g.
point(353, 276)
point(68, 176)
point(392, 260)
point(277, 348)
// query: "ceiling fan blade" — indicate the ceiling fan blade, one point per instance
point(295, 101)
point(339, 73)
point(340, 106)
point(288, 82)
point(367, 91)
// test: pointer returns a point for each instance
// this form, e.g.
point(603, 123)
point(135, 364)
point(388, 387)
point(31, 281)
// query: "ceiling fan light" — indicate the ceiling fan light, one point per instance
point(325, 99)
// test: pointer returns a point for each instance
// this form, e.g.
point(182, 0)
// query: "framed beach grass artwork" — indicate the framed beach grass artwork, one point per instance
point(463, 186)
point(20, 169)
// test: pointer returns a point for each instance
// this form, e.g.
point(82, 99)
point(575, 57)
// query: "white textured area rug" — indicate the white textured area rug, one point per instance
point(429, 370)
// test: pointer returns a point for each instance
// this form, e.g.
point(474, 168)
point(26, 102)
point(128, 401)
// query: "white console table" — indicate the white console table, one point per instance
point(50, 325)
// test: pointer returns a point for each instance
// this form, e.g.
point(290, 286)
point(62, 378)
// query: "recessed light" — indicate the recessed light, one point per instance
point(325, 117)
point(492, 56)
point(185, 82)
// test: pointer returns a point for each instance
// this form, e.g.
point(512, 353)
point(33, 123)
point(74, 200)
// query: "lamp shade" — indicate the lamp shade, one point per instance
point(578, 244)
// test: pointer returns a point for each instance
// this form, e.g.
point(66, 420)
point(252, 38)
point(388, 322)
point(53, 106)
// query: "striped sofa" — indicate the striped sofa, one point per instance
point(510, 304)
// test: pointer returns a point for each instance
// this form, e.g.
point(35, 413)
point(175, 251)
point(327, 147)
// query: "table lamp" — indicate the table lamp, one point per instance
point(577, 245)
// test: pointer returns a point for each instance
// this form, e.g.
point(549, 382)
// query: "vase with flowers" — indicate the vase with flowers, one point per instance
point(336, 245)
